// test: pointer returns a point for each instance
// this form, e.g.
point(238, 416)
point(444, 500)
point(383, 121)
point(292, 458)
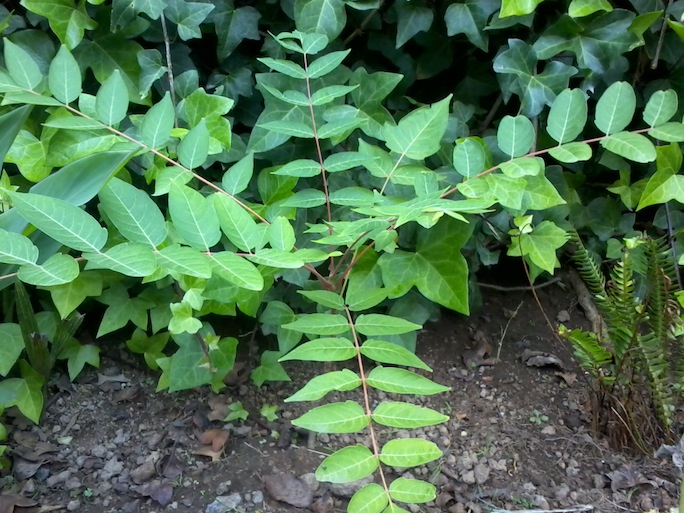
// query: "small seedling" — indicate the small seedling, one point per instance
point(538, 418)
point(268, 412)
point(236, 411)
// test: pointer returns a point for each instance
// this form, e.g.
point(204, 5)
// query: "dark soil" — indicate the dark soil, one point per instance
point(518, 437)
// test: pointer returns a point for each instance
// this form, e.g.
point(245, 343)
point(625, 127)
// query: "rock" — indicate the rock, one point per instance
point(311, 481)
point(289, 489)
point(548, 430)
point(224, 504)
point(73, 505)
point(144, 472)
point(223, 487)
point(459, 507)
point(468, 477)
point(99, 451)
point(481, 473)
point(541, 502)
point(563, 316)
point(562, 492)
point(58, 479)
point(257, 497)
point(323, 504)
point(113, 467)
point(349, 489)
point(73, 483)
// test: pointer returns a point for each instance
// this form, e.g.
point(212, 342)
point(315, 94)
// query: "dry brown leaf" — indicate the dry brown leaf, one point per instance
point(126, 394)
point(207, 451)
point(219, 407)
point(217, 438)
point(118, 378)
point(10, 501)
point(568, 377)
point(627, 477)
point(540, 359)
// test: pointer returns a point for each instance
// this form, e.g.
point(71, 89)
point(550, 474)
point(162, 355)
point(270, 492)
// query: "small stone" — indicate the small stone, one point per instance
point(481, 473)
point(224, 504)
point(311, 481)
point(548, 430)
point(144, 472)
point(73, 505)
point(223, 487)
point(73, 483)
point(459, 507)
point(563, 316)
point(599, 481)
point(58, 479)
point(323, 504)
point(468, 477)
point(99, 451)
point(349, 489)
point(289, 489)
point(257, 497)
point(562, 492)
point(541, 502)
point(324, 438)
point(529, 487)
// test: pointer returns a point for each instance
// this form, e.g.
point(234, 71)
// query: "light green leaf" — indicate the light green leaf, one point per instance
point(327, 17)
point(581, 8)
point(291, 69)
point(353, 197)
point(79, 355)
point(322, 350)
point(199, 105)
point(567, 116)
point(61, 220)
point(342, 381)
point(12, 346)
point(326, 64)
point(518, 7)
point(193, 217)
point(319, 324)
point(471, 156)
point(276, 258)
point(302, 168)
point(347, 465)
point(157, 124)
point(67, 20)
point(401, 381)
point(411, 19)
point(515, 135)
point(631, 146)
point(16, 249)
point(379, 324)
point(386, 352)
point(327, 94)
point(372, 498)
point(122, 309)
point(345, 160)
point(665, 184)
point(540, 245)
point(419, 133)
point(411, 491)
point(371, 298)
point(325, 298)
point(64, 78)
point(237, 178)
point(615, 109)
point(306, 198)
point(523, 166)
point(133, 212)
point(669, 132)
point(661, 107)
point(21, 66)
point(571, 152)
point(56, 270)
point(346, 417)
point(184, 260)
point(409, 452)
point(237, 270)
point(69, 296)
point(236, 222)
point(129, 259)
point(281, 235)
point(291, 128)
point(194, 148)
point(111, 101)
point(406, 416)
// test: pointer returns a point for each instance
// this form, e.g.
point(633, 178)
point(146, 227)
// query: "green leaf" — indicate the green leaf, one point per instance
point(378, 324)
point(276, 258)
point(323, 350)
point(341, 381)
point(567, 116)
point(615, 109)
point(523, 166)
point(302, 168)
point(187, 16)
point(237, 270)
point(69, 296)
point(327, 94)
point(324, 297)
point(319, 324)
point(238, 176)
point(540, 245)
point(61, 220)
point(281, 235)
point(64, 78)
point(327, 17)
point(122, 309)
point(79, 355)
point(111, 101)
point(515, 135)
point(386, 352)
point(401, 381)
point(326, 64)
point(129, 259)
point(409, 452)
point(290, 128)
point(157, 124)
point(412, 491)
point(665, 184)
point(406, 416)
point(306, 198)
point(194, 148)
point(193, 217)
point(347, 465)
point(411, 19)
point(571, 152)
point(631, 146)
point(291, 69)
point(269, 370)
point(12, 346)
point(471, 155)
point(661, 107)
point(581, 8)
point(16, 249)
point(372, 498)
point(133, 212)
point(346, 417)
point(419, 133)
point(199, 105)
point(151, 70)
point(345, 160)
point(233, 25)
point(470, 18)
point(184, 260)
point(56, 270)
point(353, 197)
point(21, 66)
point(25, 394)
point(67, 21)
point(669, 132)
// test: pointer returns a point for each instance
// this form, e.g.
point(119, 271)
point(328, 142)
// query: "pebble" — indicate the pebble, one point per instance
point(99, 451)
point(349, 489)
point(481, 473)
point(73, 483)
point(73, 506)
point(468, 477)
point(548, 430)
point(57, 479)
point(541, 502)
point(225, 503)
point(257, 497)
point(562, 492)
point(311, 481)
point(223, 487)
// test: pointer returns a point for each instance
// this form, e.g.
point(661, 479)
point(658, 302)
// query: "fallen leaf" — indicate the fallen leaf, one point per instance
point(568, 377)
point(288, 489)
point(481, 355)
point(170, 466)
point(219, 407)
point(24, 469)
point(126, 394)
point(540, 359)
point(627, 477)
point(118, 378)
point(9, 501)
point(158, 491)
point(217, 438)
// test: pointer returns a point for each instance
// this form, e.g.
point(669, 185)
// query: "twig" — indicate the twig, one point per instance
point(575, 509)
point(503, 335)
point(661, 39)
point(490, 115)
point(169, 66)
point(519, 288)
point(359, 30)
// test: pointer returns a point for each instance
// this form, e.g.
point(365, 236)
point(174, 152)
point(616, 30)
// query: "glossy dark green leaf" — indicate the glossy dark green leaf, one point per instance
point(327, 17)
point(470, 18)
point(615, 109)
point(411, 19)
point(187, 16)
point(64, 78)
point(68, 20)
point(567, 116)
point(111, 101)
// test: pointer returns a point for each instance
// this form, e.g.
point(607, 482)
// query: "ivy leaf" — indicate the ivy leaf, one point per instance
point(69, 296)
point(327, 17)
point(199, 105)
point(411, 19)
point(470, 18)
point(153, 8)
point(233, 25)
point(13, 346)
point(540, 245)
point(67, 21)
point(122, 309)
point(518, 7)
point(419, 133)
point(187, 16)
point(665, 184)
point(581, 8)
point(151, 69)
point(80, 354)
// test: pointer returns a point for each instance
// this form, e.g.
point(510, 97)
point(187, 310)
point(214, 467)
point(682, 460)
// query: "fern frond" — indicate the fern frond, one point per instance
point(587, 348)
point(588, 266)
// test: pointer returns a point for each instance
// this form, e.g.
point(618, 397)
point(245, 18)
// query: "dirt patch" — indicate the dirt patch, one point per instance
point(517, 438)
